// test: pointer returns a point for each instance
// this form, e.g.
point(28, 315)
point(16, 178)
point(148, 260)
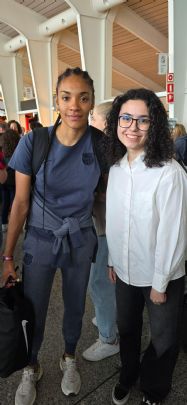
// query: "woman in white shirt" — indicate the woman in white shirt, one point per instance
point(146, 224)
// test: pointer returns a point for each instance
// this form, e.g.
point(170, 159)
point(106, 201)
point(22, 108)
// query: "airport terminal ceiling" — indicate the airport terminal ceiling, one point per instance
point(134, 51)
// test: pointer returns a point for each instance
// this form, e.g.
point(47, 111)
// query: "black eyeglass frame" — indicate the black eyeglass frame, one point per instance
point(134, 119)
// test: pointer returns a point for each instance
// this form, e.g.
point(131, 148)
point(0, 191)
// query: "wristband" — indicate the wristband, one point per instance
point(7, 258)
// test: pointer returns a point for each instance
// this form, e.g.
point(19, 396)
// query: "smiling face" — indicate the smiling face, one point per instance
point(74, 101)
point(132, 137)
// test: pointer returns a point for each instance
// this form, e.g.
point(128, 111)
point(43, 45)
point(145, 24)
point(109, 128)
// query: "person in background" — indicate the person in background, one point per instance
point(146, 229)
point(15, 125)
point(10, 141)
point(3, 177)
point(3, 172)
point(34, 124)
point(180, 143)
point(60, 231)
point(178, 130)
point(180, 137)
point(3, 128)
point(101, 289)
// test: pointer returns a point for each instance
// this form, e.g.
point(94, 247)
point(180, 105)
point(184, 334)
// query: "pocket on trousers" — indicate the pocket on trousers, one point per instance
point(38, 251)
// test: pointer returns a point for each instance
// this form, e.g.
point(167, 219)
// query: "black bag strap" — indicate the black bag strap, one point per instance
point(40, 148)
point(100, 144)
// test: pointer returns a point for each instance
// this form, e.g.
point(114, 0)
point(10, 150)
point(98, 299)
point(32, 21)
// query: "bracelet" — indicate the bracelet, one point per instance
point(7, 258)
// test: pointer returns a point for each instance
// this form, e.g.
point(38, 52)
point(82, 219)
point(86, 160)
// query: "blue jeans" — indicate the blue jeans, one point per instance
point(38, 278)
point(102, 293)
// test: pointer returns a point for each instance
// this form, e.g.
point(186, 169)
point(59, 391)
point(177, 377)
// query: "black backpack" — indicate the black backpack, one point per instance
point(16, 328)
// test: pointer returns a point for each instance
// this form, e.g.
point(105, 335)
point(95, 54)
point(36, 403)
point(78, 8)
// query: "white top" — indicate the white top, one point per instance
point(146, 222)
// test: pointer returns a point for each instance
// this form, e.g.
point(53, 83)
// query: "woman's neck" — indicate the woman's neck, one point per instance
point(69, 136)
point(133, 154)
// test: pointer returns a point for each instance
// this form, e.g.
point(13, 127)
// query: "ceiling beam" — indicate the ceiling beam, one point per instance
point(71, 41)
point(139, 27)
point(132, 74)
point(26, 22)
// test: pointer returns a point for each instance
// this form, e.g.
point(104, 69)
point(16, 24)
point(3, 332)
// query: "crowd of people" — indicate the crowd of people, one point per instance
point(117, 157)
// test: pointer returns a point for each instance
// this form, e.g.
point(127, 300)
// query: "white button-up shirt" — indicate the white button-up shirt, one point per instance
point(146, 222)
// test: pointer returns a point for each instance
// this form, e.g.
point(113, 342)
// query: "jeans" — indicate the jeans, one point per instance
point(160, 357)
point(102, 293)
point(38, 279)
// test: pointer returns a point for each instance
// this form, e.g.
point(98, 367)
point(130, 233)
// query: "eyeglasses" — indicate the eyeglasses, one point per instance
point(142, 123)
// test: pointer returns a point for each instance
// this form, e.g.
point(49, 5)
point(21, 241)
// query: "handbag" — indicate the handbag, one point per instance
point(16, 329)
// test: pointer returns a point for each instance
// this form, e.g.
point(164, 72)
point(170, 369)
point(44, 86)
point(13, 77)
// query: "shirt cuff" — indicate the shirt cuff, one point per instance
point(160, 282)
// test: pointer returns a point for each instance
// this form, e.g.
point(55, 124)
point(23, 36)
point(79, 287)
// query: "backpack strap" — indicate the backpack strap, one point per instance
point(100, 144)
point(40, 148)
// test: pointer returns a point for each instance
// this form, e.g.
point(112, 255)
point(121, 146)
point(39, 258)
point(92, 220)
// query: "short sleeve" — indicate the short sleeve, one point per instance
point(21, 159)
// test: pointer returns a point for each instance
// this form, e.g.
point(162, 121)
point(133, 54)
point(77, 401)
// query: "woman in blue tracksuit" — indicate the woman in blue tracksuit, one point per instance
point(60, 230)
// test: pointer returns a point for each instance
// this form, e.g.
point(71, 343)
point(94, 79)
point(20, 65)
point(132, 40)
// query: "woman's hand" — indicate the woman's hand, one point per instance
point(157, 297)
point(8, 271)
point(111, 274)
point(3, 175)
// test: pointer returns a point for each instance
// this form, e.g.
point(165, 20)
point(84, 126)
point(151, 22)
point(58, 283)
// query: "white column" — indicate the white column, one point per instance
point(9, 86)
point(39, 54)
point(19, 74)
point(95, 37)
point(177, 12)
point(95, 40)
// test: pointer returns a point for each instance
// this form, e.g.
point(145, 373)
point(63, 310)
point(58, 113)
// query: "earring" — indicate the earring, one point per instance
point(91, 112)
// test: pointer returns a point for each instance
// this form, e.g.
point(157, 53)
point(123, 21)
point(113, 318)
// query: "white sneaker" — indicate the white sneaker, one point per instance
point(26, 392)
point(100, 350)
point(71, 382)
point(94, 321)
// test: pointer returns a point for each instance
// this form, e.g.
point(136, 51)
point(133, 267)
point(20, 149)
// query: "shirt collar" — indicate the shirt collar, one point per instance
point(139, 161)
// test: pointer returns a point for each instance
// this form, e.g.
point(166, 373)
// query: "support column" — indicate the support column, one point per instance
point(177, 11)
point(95, 37)
point(9, 86)
point(39, 54)
point(19, 75)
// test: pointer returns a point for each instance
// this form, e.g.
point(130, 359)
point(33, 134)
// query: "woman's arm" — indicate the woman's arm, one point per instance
point(18, 215)
point(171, 237)
point(3, 175)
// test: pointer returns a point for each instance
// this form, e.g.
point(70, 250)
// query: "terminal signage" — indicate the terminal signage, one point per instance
point(170, 87)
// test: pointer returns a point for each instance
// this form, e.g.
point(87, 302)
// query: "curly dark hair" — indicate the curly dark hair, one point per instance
point(158, 145)
point(10, 140)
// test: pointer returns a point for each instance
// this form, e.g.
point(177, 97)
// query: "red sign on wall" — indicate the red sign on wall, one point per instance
point(170, 77)
point(170, 98)
point(170, 88)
